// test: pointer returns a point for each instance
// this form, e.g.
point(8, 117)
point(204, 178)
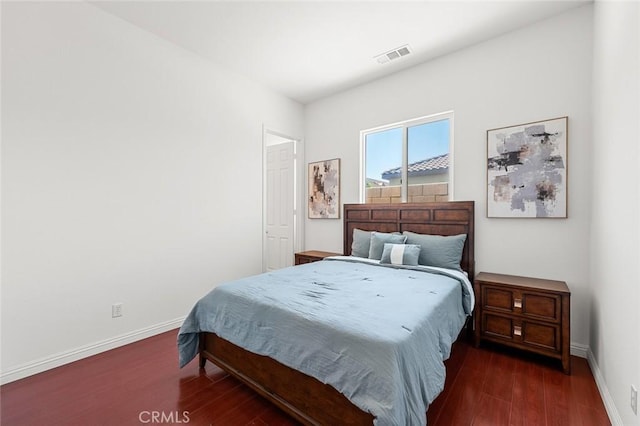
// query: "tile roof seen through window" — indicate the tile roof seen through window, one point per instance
point(433, 165)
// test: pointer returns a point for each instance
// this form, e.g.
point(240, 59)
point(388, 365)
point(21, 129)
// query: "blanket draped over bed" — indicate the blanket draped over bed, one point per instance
point(377, 334)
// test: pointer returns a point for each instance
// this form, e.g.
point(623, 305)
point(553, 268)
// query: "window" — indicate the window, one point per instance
point(409, 161)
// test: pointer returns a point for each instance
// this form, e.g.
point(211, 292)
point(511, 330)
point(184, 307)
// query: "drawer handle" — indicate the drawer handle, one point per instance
point(517, 303)
point(517, 330)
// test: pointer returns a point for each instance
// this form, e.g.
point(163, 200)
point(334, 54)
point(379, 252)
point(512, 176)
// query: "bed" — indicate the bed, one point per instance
point(290, 382)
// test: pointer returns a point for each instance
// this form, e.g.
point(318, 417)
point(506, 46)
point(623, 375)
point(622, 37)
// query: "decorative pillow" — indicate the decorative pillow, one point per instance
point(400, 254)
point(378, 239)
point(438, 250)
point(361, 243)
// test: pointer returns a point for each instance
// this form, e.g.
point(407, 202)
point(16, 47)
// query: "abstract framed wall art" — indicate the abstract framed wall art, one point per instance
point(527, 170)
point(324, 189)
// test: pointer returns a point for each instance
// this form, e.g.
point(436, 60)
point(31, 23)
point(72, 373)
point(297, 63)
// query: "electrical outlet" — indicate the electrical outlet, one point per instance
point(116, 310)
point(634, 400)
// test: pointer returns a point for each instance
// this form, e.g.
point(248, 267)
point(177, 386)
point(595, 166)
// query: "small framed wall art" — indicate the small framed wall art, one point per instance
point(324, 189)
point(527, 170)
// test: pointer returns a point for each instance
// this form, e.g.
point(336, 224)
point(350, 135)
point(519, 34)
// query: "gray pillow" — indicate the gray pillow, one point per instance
point(378, 239)
point(361, 242)
point(438, 250)
point(400, 254)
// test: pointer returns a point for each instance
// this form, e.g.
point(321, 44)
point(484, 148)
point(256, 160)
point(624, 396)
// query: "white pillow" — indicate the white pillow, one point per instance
point(400, 254)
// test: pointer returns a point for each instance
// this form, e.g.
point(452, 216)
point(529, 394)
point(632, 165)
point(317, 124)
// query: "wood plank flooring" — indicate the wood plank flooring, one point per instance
point(141, 382)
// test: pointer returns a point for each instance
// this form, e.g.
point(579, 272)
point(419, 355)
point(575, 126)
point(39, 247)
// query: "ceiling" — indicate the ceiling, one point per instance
point(310, 49)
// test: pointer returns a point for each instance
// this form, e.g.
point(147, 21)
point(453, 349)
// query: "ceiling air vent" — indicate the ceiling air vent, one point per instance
point(393, 54)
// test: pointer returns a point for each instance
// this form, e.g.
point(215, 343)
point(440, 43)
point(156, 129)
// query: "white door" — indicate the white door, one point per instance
point(280, 205)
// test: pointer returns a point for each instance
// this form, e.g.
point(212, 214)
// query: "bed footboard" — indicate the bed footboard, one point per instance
point(306, 399)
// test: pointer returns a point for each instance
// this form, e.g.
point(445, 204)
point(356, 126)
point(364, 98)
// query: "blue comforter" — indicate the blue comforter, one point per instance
point(377, 334)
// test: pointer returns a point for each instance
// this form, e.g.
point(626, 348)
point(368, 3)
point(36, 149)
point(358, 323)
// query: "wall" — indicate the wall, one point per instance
point(117, 153)
point(615, 227)
point(539, 72)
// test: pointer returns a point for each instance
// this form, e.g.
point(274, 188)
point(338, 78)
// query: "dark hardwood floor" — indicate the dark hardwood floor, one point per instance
point(141, 382)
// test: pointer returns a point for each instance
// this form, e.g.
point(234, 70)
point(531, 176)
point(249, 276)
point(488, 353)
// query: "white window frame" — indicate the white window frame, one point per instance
point(447, 115)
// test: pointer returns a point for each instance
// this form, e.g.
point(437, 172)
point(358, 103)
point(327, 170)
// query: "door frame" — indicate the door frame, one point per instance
point(298, 190)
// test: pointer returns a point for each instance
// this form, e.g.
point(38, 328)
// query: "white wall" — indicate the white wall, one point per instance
point(540, 72)
point(131, 174)
point(615, 228)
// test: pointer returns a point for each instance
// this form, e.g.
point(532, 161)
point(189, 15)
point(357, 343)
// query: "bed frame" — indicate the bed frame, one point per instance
point(306, 399)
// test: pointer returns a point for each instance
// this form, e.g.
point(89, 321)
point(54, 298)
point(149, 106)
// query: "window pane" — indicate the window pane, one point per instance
point(428, 158)
point(383, 156)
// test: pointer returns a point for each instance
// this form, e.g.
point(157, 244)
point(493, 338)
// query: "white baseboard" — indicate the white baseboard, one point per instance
point(612, 411)
point(579, 350)
point(63, 358)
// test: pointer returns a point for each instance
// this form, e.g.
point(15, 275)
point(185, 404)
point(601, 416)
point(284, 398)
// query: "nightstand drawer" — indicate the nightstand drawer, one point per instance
point(541, 306)
point(305, 259)
point(497, 326)
point(538, 335)
point(498, 299)
point(541, 335)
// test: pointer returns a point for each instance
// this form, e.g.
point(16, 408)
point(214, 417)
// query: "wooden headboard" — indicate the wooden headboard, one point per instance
point(445, 218)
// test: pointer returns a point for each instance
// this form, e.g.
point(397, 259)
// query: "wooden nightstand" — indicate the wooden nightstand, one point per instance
point(312, 256)
point(527, 313)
